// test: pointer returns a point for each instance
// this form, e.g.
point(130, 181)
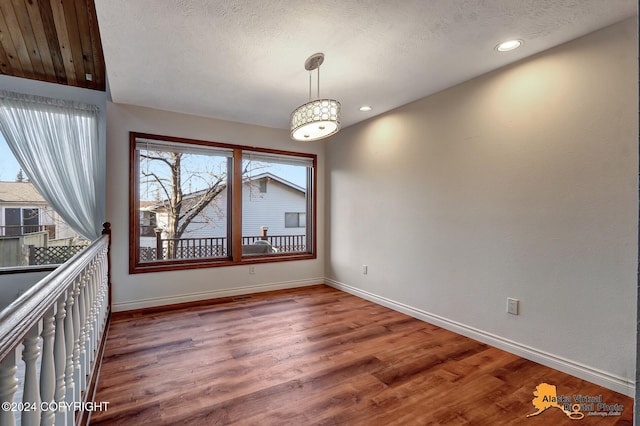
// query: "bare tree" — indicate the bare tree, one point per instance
point(182, 207)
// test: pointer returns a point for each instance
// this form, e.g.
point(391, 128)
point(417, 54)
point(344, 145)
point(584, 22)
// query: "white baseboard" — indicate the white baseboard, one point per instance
point(213, 294)
point(619, 384)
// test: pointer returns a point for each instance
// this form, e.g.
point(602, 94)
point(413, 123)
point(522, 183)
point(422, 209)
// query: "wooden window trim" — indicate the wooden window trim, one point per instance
point(234, 225)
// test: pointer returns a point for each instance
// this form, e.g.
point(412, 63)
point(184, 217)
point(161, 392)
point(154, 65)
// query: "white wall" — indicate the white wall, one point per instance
point(520, 183)
point(151, 289)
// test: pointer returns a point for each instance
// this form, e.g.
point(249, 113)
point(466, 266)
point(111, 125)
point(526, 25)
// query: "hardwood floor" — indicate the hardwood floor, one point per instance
point(318, 356)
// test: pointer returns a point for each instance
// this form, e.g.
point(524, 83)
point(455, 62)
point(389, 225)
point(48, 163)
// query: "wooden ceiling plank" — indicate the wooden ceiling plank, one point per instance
point(57, 9)
point(5, 66)
point(28, 34)
point(96, 46)
point(84, 34)
point(71, 22)
point(50, 33)
point(85, 41)
point(41, 40)
point(16, 35)
point(9, 49)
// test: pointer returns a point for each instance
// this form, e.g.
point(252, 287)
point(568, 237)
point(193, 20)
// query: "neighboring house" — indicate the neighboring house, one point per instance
point(148, 222)
point(268, 201)
point(26, 219)
point(24, 211)
point(271, 201)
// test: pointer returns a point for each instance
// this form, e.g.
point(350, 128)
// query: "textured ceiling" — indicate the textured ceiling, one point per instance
point(244, 60)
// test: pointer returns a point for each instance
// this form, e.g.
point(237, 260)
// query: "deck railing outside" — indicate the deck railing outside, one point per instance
point(58, 329)
point(17, 230)
point(207, 247)
point(282, 243)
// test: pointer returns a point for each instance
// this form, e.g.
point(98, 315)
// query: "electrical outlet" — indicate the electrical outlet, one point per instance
point(252, 270)
point(365, 269)
point(513, 306)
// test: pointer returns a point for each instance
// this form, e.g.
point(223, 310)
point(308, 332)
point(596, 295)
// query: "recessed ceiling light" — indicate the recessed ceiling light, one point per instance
point(365, 108)
point(508, 45)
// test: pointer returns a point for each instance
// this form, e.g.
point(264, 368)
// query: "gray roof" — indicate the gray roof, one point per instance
point(20, 193)
point(276, 178)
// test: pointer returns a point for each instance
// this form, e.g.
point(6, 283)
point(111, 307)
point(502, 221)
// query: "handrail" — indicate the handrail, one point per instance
point(18, 318)
point(59, 328)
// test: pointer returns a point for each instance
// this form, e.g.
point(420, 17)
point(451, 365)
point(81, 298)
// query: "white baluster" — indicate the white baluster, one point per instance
point(60, 359)
point(91, 320)
point(8, 387)
point(77, 370)
point(30, 395)
point(47, 366)
point(105, 284)
point(104, 288)
point(102, 301)
point(99, 286)
point(69, 339)
point(98, 302)
point(82, 301)
point(89, 332)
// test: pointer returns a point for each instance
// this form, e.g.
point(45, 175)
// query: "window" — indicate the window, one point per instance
point(295, 220)
point(263, 185)
point(200, 204)
point(289, 180)
point(148, 223)
point(181, 190)
point(21, 221)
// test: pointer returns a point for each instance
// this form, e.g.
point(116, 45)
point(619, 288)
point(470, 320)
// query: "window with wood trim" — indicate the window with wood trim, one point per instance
point(197, 204)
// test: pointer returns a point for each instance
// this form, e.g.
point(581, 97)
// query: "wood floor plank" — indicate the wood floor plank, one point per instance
point(317, 356)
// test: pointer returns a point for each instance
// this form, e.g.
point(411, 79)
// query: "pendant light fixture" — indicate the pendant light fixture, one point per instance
point(319, 118)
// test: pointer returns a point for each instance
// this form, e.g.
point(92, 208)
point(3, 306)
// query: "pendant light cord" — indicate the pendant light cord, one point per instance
point(318, 87)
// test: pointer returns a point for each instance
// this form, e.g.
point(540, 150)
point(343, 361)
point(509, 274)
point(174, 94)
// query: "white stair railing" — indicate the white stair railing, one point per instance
point(51, 343)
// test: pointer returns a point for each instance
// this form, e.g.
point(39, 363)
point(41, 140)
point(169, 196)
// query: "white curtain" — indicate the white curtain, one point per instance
point(57, 145)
